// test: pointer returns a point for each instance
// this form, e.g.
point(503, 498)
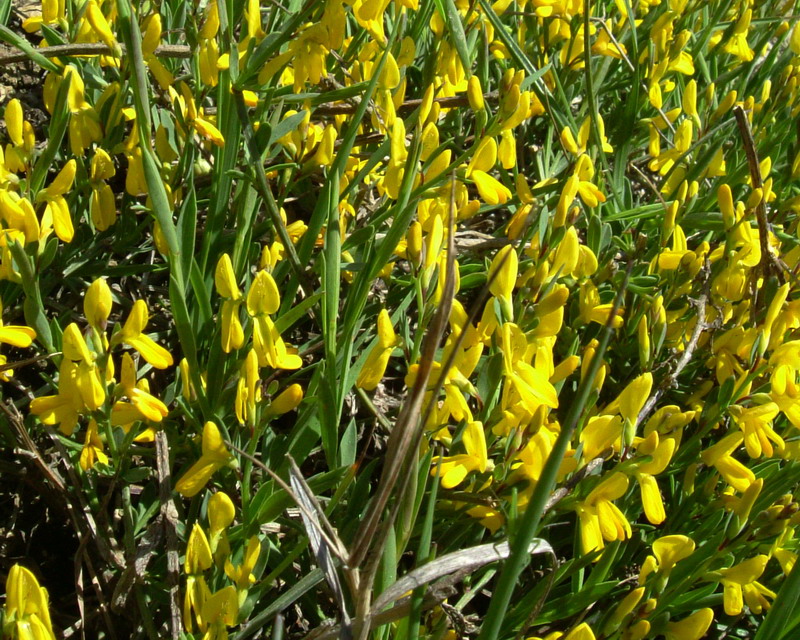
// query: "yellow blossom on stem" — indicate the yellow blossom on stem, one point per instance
point(661, 453)
point(242, 575)
point(225, 281)
point(453, 470)
point(103, 206)
point(148, 406)
point(741, 586)
point(198, 559)
point(131, 334)
point(220, 610)
point(221, 513)
point(378, 358)
point(756, 425)
point(56, 211)
point(26, 611)
point(248, 389)
point(215, 455)
point(667, 552)
point(97, 304)
point(15, 335)
point(692, 627)
point(90, 385)
point(92, 451)
point(65, 407)
point(600, 519)
point(263, 299)
point(286, 401)
point(734, 472)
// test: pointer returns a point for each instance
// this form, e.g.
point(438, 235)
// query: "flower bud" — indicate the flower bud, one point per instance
point(97, 304)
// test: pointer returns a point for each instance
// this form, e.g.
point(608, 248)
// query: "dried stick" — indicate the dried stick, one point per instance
point(169, 519)
point(768, 261)
point(686, 356)
point(95, 49)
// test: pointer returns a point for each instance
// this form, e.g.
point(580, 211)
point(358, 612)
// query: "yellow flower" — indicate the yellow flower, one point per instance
point(53, 12)
point(215, 455)
point(26, 610)
point(56, 211)
point(151, 38)
point(220, 610)
point(755, 424)
point(592, 310)
point(242, 575)
point(225, 281)
point(65, 407)
point(103, 206)
point(622, 610)
point(195, 118)
point(736, 44)
point(454, 469)
point(148, 406)
point(92, 451)
point(248, 389)
point(263, 299)
point(198, 559)
point(378, 358)
point(503, 277)
point(221, 513)
point(692, 627)
point(131, 334)
point(734, 472)
point(741, 581)
point(23, 140)
point(286, 401)
point(15, 335)
point(661, 453)
point(97, 304)
point(667, 552)
point(89, 382)
point(633, 397)
point(525, 383)
point(84, 123)
point(600, 519)
point(475, 93)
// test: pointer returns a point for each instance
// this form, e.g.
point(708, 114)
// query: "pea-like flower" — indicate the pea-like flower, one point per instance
point(378, 358)
point(600, 518)
point(454, 469)
point(741, 586)
point(132, 335)
point(215, 455)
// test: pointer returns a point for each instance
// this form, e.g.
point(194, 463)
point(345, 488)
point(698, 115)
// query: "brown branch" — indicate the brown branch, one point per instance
point(95, 49)
point(169, 520)
point(768, 262)
point(460, 100)
point(688, 352)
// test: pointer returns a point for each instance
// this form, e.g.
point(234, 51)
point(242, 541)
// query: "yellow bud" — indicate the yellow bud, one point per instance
point(288, 400)
point(644, 342)
point(475, 94)
point(794, 40)
point(507, 151)
point(414, 243)
point(427, 103)
point(100, 25)
point(633, 397)
point(725, 199)
point(625, 607)
point(97, 304)
point(755, 198)
point(689, 101)
point(505, 265)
